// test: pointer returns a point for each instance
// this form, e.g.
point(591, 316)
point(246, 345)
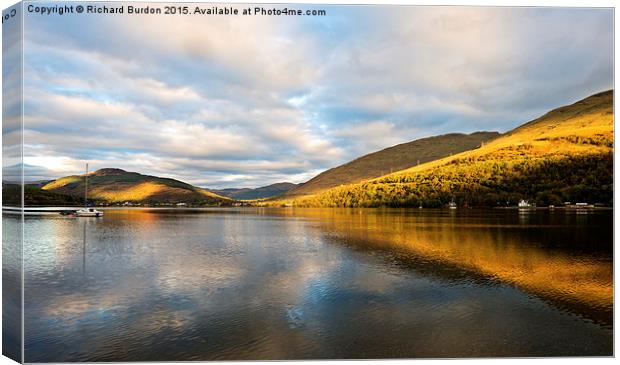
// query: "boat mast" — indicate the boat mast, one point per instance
point(86, 187)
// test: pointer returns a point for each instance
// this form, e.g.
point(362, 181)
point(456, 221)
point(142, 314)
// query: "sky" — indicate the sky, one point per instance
point(233, 101)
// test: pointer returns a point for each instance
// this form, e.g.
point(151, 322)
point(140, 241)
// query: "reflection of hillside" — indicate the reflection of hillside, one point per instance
point(221, 284)
point(567, 274)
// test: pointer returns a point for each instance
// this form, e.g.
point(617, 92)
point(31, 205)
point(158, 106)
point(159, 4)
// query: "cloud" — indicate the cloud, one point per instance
point(257, 100)
point(371, 135)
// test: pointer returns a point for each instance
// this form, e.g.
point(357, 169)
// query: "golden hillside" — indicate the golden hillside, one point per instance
point(565, 155)
point(394, 158)
point(115, 185)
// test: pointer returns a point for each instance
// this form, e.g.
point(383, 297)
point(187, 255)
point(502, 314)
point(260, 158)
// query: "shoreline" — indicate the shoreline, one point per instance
point(58, 209)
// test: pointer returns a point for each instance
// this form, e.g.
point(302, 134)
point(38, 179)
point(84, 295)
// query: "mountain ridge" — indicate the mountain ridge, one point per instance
point(394, 158)
point(564, 155)
point(113, 185)
point(263, 192)
point(532, 161)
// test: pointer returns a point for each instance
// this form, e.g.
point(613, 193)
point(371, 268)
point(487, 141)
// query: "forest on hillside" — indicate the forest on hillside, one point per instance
point(484, 182)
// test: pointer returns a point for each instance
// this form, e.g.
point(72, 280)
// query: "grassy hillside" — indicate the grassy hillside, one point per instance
point(257, 193)
point(394, 158)
point(565, 155)
point(35, 196)
point(115, 185)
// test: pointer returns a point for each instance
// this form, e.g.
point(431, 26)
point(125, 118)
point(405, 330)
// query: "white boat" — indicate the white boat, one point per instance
point(524, 204)
point(452, 205)
point(86, 211)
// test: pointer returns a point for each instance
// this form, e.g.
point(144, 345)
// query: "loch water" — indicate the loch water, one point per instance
point(288, 283)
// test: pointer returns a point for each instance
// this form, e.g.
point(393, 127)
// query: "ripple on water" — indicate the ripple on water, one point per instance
point(325, 284)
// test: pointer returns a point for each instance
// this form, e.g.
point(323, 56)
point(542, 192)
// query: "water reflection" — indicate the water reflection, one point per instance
point(84, 251)
point(316, 283)
point(567, 260)
point(11, 286)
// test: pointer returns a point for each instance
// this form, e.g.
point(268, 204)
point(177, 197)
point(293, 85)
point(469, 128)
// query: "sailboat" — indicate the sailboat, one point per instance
point(452, 204)
point(86, 211)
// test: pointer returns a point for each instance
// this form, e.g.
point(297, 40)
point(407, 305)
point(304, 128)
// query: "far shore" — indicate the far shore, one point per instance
point(55, 209)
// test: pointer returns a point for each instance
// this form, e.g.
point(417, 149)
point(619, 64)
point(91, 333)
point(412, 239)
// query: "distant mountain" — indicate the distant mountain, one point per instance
point(257, 193)
point(565, 155)
point(393, 159)
point(116, 185)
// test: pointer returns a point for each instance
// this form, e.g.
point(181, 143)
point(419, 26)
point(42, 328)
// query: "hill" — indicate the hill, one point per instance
point(268, 191)
point(35, 196)
point(565, 155)
point(116, 185)
point(394, 158)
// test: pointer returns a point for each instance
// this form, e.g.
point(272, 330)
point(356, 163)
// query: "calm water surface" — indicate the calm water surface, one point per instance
point(317, 283)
